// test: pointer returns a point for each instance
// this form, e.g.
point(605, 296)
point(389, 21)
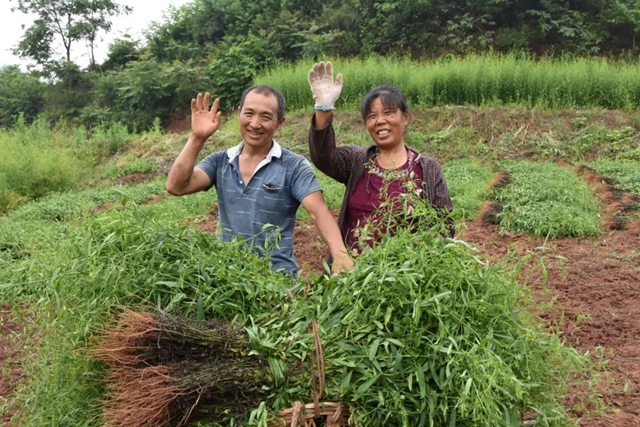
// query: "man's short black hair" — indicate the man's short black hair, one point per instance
point(267, 90)
point(390, 96)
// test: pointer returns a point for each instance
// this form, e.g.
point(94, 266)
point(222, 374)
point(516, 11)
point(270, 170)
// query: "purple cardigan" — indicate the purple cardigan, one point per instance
point(347, 165)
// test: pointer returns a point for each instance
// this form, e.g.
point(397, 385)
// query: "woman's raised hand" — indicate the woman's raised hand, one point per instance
point(325, 91)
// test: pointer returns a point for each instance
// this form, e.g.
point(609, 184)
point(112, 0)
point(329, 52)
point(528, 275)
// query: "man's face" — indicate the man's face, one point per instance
point(259, 119)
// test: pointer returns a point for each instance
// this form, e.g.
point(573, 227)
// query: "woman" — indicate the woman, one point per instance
point(380, 173)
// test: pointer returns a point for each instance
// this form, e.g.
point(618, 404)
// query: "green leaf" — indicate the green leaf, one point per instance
point(364, 387)
point(421, 382)
point(373, 350)
point(345, 383)
point(467, 387)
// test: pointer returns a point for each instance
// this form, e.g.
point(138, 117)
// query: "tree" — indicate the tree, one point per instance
point(67, 21)
point(95, 17)
point(121, 51)
point(20, 94)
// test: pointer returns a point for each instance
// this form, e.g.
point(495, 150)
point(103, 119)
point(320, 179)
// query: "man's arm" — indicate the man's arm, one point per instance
point(184, 177)
point(329, 231)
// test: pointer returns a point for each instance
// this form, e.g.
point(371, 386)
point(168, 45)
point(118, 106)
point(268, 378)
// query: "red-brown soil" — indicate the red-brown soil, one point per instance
point(9, 360)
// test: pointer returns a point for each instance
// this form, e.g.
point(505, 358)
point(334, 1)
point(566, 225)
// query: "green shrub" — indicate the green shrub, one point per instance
point(142, 91)
point(20, 95)
point(109, 138)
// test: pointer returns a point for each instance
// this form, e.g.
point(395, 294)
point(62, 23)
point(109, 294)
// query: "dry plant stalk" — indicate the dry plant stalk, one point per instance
point(161, 367)
point(336, 414)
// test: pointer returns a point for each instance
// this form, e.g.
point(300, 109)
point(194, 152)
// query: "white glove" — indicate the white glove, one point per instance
point(325, 91)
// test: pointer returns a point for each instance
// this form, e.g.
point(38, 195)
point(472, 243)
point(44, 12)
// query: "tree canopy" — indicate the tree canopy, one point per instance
point(221, 45)
point(65, 21)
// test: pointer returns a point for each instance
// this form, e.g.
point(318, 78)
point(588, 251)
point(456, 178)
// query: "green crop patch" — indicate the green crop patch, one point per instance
point(626, 173)
point(469, 186)
point(545, 199)
point(74, 205)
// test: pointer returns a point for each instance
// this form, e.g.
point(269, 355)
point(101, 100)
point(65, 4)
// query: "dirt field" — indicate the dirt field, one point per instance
point(9, 356)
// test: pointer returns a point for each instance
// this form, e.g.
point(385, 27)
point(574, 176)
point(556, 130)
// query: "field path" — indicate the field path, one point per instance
point(9, 345)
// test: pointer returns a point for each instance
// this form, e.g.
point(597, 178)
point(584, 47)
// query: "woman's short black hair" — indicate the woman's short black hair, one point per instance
point(390, 96)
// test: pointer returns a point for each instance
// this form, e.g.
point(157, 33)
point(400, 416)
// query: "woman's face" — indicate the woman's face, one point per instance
point(385, 125)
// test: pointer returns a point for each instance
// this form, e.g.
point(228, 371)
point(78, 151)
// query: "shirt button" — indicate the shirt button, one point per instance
point(240, 182)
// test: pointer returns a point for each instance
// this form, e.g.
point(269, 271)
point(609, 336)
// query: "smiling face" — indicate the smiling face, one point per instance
point(386, 124)
point(259, 119)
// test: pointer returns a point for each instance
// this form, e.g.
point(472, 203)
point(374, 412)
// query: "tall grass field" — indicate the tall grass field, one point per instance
point(491, 79)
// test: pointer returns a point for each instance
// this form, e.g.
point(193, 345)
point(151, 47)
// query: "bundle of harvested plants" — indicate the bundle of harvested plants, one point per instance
point(421, 333)
point(166, 369)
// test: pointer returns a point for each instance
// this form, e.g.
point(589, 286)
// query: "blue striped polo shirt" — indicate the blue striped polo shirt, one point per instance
point(263, 212)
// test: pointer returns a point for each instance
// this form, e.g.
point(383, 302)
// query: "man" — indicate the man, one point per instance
point(259, 184)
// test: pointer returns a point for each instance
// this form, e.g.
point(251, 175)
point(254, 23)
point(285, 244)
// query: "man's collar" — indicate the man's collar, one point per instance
point(276, 151)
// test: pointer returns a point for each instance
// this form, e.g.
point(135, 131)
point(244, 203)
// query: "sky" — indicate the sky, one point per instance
point(143, 14)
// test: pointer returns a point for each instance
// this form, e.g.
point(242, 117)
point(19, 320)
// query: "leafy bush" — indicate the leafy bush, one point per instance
point(109, 138)
point(231, 72)
point(142, 91)
point(20, 94)
point(62, 99)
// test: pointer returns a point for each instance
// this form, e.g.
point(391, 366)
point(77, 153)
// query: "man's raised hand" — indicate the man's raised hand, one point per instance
point(325, 91)
point(204, 121)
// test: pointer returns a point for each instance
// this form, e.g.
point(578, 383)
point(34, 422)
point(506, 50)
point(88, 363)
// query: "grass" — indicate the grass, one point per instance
point(76, 204)
point(142, 166)
point(469, 186)
point(483, 80)
point(545, 199)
